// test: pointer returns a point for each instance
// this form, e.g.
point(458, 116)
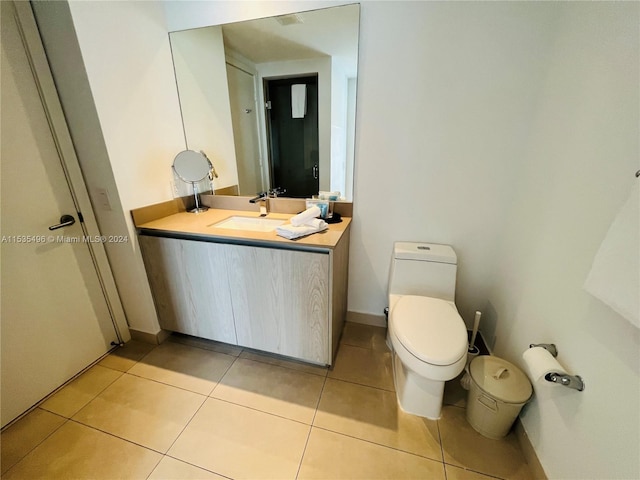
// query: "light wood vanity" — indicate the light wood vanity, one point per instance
point(253, 289)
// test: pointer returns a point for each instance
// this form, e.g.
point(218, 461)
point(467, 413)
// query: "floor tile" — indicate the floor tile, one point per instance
point(363, 366)
point(373, 414)
point(191, 368)
point(457, 473)
point(272, 389)
point(24, 435)
point(212, 345)
point(78, 452)
point(148, 413)
point(365, 336)
point(239, 442)
point(72, 397)
point(333, 456)
point(172, 469)
point(466, 448)
point(284, 362)
point(124, 358)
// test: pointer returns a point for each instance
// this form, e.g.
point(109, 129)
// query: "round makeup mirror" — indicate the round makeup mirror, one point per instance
point(193, 167)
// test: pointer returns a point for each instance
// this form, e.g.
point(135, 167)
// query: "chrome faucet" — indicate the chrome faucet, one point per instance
point(262, 197)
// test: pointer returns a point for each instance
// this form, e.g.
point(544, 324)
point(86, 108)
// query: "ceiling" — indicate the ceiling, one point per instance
point(317, 33)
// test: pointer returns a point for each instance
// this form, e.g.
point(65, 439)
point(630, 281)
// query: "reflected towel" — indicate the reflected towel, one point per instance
point(298, 100)
point(304, 217)
point(615, 274)
point(292, 231)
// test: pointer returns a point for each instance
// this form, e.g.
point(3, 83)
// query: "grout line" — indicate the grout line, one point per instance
point(306, 443)
point(145, 355)
point(40, 442)
point(260, 411)
point(197, 466)
point(441, 447)
point(51, 394)
point(116, 436)
point(319, 399)
point(479, 472)
point(380, 445)
point(161, 383)
point(222, 376)
point(186, 425)
point(362, 384)
point(154, 468)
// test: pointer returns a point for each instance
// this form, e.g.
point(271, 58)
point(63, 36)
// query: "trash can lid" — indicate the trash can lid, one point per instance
point(500, 379)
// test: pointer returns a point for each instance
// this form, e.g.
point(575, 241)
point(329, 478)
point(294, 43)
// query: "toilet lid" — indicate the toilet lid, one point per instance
point(430, 328)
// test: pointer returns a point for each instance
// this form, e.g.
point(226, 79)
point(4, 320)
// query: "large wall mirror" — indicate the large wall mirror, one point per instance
point(272, 101)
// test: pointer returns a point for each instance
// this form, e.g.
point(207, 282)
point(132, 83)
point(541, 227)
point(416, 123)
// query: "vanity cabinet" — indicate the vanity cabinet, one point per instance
point(286, 301)
point(189, 285)
point(280, 301)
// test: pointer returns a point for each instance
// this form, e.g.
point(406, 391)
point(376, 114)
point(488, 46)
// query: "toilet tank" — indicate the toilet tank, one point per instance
point(425, 269)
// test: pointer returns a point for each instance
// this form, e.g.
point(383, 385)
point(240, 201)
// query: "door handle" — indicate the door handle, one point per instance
point(315, 172)
point(65, 221)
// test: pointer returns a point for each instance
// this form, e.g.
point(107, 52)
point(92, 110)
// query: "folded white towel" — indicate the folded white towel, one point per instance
point(298, 100)
point(316, 223)
point(292, 231)
point(306, 216)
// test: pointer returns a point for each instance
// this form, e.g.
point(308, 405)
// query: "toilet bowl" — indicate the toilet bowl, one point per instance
point(426, 333)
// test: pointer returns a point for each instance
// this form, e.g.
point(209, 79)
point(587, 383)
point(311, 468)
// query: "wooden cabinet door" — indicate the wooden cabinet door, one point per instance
point(281, 301)
point(189, 284)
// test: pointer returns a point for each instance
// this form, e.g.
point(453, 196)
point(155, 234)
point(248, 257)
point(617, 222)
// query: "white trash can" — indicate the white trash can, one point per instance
point(497, 393)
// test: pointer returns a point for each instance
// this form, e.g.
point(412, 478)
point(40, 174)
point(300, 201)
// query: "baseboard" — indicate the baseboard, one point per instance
point(146, 337)
point(528, 451)
point(367, 319)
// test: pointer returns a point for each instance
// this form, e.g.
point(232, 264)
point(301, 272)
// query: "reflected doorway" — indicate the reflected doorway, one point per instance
point(292, 134)
point(245, 129)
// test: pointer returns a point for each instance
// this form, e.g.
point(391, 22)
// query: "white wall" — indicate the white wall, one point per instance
point(446, 91)
point(579, 162)
point(125, 48)
point(201, 75)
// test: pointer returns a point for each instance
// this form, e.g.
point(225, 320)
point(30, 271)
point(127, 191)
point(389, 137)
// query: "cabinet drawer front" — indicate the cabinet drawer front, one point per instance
point(280, 301)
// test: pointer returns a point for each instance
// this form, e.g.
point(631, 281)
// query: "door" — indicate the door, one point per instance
point(245, 130)
point(189, 284)
point(293, 142)
point(55, 318)
point(280, 301)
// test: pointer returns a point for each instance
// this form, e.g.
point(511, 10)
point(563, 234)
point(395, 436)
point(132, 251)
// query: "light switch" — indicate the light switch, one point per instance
point(102, 199)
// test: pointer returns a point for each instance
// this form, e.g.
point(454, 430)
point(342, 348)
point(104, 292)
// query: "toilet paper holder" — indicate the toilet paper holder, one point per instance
point(571, 381)
point(550, 347)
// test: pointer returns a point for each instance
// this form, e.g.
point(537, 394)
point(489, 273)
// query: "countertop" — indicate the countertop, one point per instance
point(199, 227)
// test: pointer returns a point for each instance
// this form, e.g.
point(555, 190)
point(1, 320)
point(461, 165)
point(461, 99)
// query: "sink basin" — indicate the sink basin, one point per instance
point(255, 224)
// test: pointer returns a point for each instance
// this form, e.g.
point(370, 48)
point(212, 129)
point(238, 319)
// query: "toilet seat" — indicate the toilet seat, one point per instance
point(430, 329)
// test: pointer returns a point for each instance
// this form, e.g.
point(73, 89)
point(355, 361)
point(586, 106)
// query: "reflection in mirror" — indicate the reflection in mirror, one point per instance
point(193, 167)
point(272, 100)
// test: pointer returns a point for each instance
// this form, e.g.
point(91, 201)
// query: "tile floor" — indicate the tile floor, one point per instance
point(193, 409)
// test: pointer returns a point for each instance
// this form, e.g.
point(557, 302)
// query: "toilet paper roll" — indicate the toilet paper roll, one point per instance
point(539, 362)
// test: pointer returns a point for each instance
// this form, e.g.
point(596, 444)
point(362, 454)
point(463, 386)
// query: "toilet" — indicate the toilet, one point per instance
point(426, 334)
